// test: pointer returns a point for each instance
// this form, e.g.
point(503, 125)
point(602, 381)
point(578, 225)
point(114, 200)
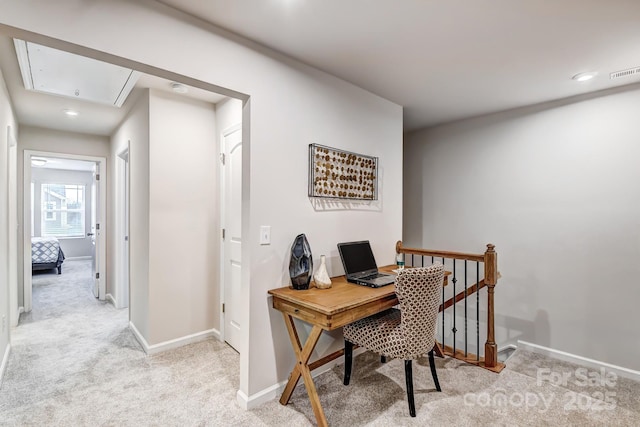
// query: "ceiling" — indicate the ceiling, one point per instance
point(47, 111)
point(442, 61)
point(445, 60)
point(65, 164)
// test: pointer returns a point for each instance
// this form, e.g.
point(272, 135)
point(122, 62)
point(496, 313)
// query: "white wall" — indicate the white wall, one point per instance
point(174, 215)
point(134, 133)
point(290, 106)
point(6, 119)
point(184, 225)
point(555, 188)
point(74, 246)
point(53, 141)
point(13, 227)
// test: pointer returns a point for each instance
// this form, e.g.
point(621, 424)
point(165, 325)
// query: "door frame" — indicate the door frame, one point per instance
point(12, 226)
point(122, 214)
point(224, 134)
point(26, 220)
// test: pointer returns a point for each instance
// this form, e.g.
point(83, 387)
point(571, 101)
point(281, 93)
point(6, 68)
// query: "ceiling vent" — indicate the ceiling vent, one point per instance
point(624, 73)
point(56, 72)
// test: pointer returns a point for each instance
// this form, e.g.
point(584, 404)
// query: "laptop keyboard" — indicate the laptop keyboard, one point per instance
point(373, 276)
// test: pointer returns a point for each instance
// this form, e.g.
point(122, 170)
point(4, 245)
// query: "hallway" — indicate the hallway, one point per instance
point(75, 362)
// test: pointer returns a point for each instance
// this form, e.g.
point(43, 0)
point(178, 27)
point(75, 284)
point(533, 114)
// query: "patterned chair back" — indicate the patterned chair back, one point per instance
point(418, 291)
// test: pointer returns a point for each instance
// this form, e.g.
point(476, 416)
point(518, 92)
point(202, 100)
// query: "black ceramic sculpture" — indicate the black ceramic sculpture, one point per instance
point(301, 264)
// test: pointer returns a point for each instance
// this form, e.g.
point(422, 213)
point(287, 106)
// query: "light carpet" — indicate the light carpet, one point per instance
point(74, 362)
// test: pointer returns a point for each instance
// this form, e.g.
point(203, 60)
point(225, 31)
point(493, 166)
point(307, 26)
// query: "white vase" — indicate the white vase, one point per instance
point(321, 276)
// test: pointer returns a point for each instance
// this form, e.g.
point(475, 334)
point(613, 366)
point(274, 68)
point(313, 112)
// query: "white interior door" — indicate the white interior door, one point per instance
point(125, 270)
point(122, 227)
point(232, 237)
point(95, 230)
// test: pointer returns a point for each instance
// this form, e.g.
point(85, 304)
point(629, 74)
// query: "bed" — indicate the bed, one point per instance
point(46, 254)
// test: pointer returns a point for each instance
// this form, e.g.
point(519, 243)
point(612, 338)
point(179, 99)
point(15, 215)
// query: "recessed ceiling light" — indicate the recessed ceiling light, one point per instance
point(70, 113)
point(179, 87)
point(38, 161)
point(583, 77)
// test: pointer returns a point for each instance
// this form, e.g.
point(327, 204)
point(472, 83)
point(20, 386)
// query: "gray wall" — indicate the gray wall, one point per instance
point(134, 129)
point(71, 246)
point(184, 211)
point(556, 188)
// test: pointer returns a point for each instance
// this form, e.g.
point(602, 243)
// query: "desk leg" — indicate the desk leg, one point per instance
point(302, 368)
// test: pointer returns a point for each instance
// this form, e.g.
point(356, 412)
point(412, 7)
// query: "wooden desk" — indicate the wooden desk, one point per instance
point(326, 309)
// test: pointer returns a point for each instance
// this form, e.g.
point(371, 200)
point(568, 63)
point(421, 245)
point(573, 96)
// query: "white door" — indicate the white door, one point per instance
point(125, 265)
point(122, 228)
point(232, 237)
point(95, 230)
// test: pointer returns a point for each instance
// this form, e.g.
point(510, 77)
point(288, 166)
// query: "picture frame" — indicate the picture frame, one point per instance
point(341, 174)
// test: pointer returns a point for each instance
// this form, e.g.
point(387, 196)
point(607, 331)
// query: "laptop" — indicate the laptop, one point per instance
point(360, 266)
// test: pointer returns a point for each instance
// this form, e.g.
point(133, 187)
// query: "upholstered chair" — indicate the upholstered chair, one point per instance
point(406, 333)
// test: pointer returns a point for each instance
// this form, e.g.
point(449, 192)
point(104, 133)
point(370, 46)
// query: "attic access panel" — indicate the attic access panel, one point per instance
point(57, 72)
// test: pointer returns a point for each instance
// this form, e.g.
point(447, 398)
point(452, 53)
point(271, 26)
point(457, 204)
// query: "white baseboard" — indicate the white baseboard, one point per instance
point(77, 258)
point(579, 360)
point(175, 343)
point(5, 360)
point(16, 321)
point(111, 299)
point(272, 392)
point(257, 399)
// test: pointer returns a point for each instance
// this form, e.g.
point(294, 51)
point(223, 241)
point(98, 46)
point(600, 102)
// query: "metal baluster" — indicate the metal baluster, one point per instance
point(442, 307)
point(465, 308)
point(422, 258)
point(454, 329)
point(412, 263)
point(478, 310)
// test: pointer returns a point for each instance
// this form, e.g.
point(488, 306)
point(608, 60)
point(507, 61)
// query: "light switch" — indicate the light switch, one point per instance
point(265, 234)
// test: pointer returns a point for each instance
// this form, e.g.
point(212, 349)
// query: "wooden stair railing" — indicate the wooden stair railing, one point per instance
point(489, 260)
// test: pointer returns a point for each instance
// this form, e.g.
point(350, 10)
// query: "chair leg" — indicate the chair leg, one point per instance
point(348, 359)
point(408, 374)
point(383, 359)
point(432, 365)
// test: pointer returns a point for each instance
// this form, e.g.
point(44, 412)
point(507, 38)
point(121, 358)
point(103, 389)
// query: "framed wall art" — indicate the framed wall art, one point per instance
point(340, 174)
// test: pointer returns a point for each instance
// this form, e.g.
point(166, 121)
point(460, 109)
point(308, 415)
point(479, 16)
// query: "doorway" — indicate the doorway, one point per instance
point(56, 201)
point(196, 88)
point(231, 219)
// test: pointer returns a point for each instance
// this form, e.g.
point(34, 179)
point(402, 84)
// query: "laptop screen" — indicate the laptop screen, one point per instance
point(357, 257)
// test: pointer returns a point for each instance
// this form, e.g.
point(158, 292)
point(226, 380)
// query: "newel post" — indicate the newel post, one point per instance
point(490, 278)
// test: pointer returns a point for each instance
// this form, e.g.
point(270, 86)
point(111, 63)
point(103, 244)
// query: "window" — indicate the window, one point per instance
point(50, 213)
point(63, 211)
